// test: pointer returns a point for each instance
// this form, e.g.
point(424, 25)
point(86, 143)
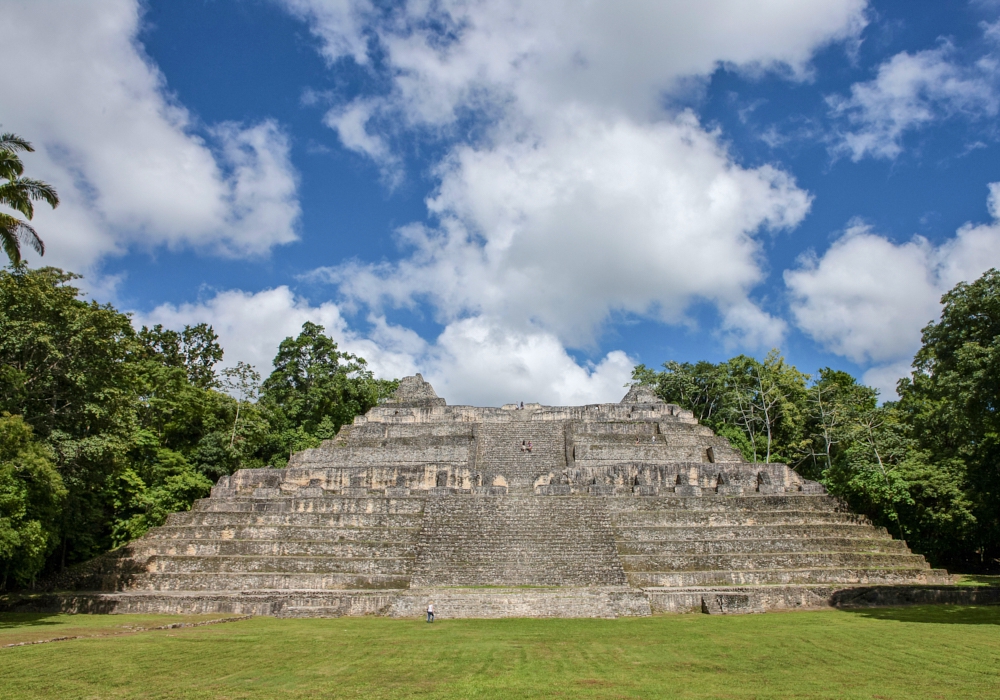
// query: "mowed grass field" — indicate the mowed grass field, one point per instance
point(900, 653)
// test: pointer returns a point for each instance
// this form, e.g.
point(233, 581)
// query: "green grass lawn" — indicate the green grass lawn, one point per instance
point(901, 653)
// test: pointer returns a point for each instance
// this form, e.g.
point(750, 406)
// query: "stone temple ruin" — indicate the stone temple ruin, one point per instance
point(616, 509)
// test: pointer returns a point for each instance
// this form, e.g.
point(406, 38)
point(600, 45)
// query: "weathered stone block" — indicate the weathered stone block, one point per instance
point(683, 490)
point(730, 490)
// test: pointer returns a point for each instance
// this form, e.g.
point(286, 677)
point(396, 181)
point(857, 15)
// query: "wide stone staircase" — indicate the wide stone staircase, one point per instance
point(495, 556)
point(317, 548)
point(516, 541)
point(763, 552)
point(502, 448)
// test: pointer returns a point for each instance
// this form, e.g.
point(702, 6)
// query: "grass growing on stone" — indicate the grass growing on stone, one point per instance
point(979, 580)
point(920, 652)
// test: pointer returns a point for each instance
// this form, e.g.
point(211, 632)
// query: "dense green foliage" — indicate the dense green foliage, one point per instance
point(927, 466)
point(104, 430)
point(31, 492)
point(952, 403)
point(914, 653)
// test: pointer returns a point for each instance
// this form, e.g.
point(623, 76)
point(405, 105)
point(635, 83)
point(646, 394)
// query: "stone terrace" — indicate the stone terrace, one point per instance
point(587, 511)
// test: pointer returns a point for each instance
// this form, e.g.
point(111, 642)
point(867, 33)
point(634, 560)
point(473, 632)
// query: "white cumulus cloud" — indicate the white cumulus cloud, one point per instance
point(910, 91)
point(577, 195)
point(598, 218)
point(474, 361)
point(125, 157)
point(867, 298)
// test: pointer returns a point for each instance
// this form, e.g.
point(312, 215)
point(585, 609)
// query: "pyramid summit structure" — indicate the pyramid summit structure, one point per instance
point(602, 510)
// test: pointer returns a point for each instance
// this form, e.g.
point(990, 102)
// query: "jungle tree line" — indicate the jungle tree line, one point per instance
point(105, 429)
point(927, 466)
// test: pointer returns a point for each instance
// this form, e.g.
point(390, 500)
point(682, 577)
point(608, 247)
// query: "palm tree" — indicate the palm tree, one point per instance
point(18, 193)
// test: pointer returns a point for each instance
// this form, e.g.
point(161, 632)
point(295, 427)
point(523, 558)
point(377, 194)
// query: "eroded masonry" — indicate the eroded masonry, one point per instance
point(587, 511)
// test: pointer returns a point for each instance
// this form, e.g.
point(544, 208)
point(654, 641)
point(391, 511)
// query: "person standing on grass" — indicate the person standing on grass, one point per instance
point(430, 611)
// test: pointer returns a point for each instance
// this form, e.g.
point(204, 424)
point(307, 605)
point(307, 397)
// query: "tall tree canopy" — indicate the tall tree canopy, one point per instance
point(105, 430)
point(925, 466)
point(952, 402)
point(19, 193)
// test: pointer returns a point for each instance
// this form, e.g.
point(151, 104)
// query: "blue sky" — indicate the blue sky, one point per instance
point(520, 200)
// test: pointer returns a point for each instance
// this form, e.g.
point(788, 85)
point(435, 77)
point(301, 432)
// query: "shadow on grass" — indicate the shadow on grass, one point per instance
point(980, 580)
point(15, 620)
point(935, 614)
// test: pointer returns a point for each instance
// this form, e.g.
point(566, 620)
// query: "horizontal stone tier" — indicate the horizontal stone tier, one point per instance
point(835, 575)
point(708, 519)
point(511, 602)
point(747, 532)
point(283, 532)
point(328, 503)
point(454, 603)
point(225, 581)
point(751, 561)
point(241, 519)
point(177, 564)
point(774, 545)
point(275, 548)
point(714, 503)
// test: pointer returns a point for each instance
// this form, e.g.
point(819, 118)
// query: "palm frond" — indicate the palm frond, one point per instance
point(13, 143)
point(19, 193)
point(14, 232)
point(10, 165)
point(16, 198)
point(39, 191)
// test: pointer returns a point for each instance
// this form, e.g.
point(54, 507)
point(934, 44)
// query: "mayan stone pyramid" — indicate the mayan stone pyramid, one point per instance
point(586, 511)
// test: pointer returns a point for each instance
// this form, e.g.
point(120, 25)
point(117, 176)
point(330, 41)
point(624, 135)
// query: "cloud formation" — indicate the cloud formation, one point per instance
point(126, 158)
point(909, 92)
point(598, 218)
point(471, 362)
point(867, 298)
point(578, 196)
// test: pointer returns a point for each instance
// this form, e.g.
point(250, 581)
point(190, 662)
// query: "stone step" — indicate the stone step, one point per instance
point(283, 532)
point(457, 603)
point(841, 576)
point(781, 544)
point(325, 504)
point(277, 548)
point(198, 519)
point(266, 581)
point(390, 566)
point(714, 502)
point(767, 560)
point(386, 431)
point(392, 453)
point(733, 532)
point(733, 517)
